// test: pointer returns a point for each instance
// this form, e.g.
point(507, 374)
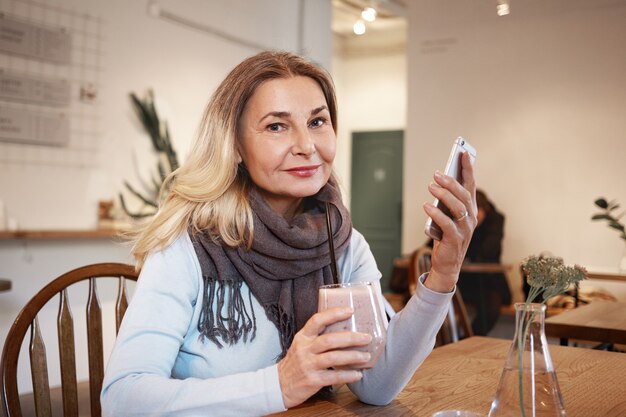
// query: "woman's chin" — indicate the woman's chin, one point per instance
point(306, 187)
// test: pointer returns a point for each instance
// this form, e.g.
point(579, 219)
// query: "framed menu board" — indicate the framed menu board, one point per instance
point(32, 40)
point(26, 88)
point(34, 127)
point(49, 81)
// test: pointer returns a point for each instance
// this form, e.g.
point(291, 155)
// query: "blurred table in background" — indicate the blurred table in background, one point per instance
point(608, 275)
point(401, 265)
point(599, 321)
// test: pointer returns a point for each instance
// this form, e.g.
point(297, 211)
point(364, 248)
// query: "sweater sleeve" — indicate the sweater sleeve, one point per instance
point(410, 339)
point(139, 381)
point(410, 334)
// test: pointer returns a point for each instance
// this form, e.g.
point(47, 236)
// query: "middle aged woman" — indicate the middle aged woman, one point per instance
point(223, 320)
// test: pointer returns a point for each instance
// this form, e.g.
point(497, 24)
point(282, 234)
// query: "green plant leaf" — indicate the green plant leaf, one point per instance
point(167, 159)
point(137, 194)
point(601, 202)
point(162, 172)
point(131, 214)
point(147, 115)
point(601, 217)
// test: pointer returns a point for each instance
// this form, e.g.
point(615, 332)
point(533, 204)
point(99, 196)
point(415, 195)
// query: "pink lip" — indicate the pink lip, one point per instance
point(305, 171)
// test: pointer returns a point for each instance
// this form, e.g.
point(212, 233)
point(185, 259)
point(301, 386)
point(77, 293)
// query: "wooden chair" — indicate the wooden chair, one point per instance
point(65, 329)
point(457, 313)
point(457, 317)
point(418, 265)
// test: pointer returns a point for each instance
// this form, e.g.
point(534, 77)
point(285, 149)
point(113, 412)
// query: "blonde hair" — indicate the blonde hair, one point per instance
point(209, 191)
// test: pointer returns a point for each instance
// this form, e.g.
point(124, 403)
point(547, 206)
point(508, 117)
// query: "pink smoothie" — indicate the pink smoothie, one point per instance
point(367, 316)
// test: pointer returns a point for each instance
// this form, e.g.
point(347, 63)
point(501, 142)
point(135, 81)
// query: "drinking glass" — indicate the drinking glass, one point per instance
point(367, 317)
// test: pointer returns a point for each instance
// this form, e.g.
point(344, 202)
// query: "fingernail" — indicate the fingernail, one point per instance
point(366, 356)
point(434, 185)
point(438, 174)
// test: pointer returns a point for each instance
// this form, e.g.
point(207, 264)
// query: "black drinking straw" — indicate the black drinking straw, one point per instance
point(331, 245)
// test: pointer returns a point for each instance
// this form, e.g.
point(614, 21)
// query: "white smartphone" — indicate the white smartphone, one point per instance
point(453, 169)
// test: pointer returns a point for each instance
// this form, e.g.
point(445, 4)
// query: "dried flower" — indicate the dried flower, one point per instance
point(550, 276)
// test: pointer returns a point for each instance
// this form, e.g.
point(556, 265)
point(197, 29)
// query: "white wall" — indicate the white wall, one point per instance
point(541, 94)
point(371, 95)
point(183, 66)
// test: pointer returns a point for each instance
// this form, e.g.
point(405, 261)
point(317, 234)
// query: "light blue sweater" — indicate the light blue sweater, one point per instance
point(160, 367)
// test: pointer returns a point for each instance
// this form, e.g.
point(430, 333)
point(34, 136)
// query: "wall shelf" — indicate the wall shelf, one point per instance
point(59, 234)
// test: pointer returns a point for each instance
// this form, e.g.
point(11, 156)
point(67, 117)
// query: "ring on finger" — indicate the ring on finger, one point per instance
point(464, 215)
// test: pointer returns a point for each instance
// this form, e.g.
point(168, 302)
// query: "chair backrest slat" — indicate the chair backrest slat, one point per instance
point(121, 305)
point(94, 346)
point(418, 265)
point(39, 371)
point(67, 357)
point(459, 307)
point(27, 319)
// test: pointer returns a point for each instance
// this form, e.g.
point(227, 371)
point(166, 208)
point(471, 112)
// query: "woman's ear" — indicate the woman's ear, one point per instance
point(238, 157)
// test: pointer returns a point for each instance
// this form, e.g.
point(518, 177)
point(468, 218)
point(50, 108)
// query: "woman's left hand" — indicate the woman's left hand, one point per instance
point(449, 252)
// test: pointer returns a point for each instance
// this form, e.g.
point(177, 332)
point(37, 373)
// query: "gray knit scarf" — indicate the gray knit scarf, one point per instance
point(288, 262)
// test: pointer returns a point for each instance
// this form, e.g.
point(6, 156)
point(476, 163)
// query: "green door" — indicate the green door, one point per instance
point(376, 194)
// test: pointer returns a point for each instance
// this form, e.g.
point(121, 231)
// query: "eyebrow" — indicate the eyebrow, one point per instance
point(286, 114)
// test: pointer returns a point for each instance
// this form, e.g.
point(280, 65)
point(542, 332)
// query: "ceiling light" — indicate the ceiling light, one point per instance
point(369, 14)
point(359, 27)
point(502, 7)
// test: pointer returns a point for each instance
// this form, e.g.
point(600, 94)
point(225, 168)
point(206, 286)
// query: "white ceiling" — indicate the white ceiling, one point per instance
point(387, 34)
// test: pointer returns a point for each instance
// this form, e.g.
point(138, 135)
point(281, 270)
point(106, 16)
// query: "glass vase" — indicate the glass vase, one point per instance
point(528, 385)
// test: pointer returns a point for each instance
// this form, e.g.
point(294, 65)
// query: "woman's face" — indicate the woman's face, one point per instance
point(287, 141)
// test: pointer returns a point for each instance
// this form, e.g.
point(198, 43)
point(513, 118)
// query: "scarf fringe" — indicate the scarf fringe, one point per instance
point(285, 327)
point(236, 324)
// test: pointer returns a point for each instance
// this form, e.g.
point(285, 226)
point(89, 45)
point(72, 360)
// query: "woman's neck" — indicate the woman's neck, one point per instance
point(288, 208)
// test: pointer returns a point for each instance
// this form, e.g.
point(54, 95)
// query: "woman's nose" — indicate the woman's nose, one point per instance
point(303, 143)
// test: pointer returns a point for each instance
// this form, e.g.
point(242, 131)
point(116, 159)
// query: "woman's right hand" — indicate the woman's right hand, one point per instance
point(305, 369)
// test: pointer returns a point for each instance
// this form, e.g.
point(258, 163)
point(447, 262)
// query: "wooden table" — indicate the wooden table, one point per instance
point(599, 321)
point(486, 268)
point(465, 375)
point(5, 285)
point(402, 263)
point(607, 275)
